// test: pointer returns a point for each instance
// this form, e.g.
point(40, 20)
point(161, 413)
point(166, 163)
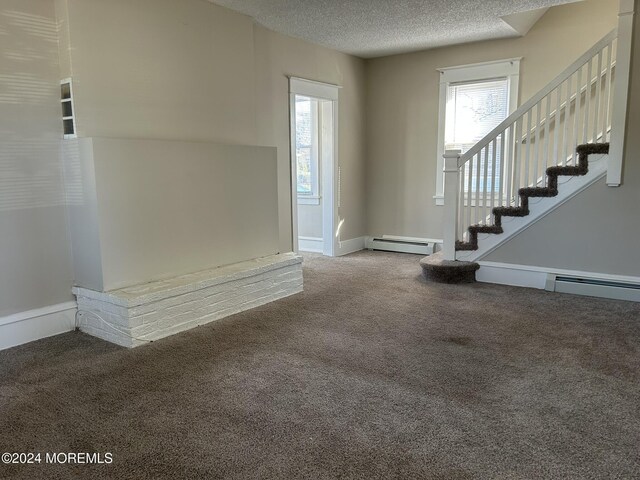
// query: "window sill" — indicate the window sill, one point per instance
point(308, 200)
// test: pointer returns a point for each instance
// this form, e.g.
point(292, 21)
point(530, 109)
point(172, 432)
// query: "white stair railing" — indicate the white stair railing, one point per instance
point(573, 109)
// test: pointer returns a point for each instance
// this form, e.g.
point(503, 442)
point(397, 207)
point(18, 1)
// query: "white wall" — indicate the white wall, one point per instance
point(35, 267)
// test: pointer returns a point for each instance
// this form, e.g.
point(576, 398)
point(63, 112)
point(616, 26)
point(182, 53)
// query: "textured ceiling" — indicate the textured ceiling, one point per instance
point(372, 28)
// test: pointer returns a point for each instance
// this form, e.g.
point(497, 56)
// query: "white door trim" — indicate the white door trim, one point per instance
point(329, 169)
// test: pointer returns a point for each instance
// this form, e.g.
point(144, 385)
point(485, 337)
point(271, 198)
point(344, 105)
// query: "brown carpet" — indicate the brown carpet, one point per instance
point(370, 373)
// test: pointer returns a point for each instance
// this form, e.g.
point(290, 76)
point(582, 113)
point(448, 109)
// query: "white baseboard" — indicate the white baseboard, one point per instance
point(507, 274)
point(350, 246)
point(35, 324)
point(310, 244)
point(536, 277)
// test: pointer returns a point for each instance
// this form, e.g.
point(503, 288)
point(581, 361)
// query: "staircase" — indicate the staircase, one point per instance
point(525, 193)
point(550, 149)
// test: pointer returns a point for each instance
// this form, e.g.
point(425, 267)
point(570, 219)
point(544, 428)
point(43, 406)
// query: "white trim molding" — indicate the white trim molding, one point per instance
point(36, 324)
point(620, 99)
point(508, 68)
point(352, 245)
point(312, 88)
point(310, 244)
point(327, 94)
point(309, 199)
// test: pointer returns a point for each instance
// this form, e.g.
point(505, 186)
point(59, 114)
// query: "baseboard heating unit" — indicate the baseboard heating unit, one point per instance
point(593, 287)
point(392, 243)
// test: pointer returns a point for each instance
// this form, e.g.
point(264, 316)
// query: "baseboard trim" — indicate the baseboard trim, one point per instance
point(352, 245)
point(536, 277)
point(31, 325)
point(311, 244)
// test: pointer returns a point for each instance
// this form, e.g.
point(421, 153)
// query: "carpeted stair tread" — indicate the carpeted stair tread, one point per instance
point(486, 228)
point(551, 190)
point(538, 192)
point(592, 148)
point(511, 211)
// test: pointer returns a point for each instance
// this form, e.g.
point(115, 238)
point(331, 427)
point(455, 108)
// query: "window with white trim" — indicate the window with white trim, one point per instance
point(474, 99)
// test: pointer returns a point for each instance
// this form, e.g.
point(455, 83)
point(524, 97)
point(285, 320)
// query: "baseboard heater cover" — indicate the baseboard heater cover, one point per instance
point(593, 287)
point(393, 243)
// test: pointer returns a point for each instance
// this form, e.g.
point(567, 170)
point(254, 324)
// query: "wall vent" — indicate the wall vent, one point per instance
point(593, 287)
point(392, 243)
point(68, 109)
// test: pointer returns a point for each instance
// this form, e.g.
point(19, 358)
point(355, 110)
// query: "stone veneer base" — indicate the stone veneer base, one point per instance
point(139, 314)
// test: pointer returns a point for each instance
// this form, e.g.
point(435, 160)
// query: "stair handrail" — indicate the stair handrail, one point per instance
point(533, 101)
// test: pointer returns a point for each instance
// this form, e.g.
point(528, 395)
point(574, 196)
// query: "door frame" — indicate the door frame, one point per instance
point(329, 167)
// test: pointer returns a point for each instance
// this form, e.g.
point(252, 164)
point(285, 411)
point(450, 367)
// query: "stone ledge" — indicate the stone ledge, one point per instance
point(139, 314)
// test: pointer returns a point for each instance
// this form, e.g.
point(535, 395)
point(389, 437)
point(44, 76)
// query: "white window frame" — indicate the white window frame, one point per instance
point(509, 69)
point(329, 167)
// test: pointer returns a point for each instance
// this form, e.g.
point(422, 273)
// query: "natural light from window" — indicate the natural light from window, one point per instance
point(473, 110)
point(307, 145)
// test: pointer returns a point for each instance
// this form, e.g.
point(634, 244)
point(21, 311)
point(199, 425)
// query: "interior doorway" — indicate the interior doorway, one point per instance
point(313, 159)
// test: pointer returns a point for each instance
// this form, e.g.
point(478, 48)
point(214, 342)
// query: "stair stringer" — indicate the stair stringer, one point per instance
point(539, 207)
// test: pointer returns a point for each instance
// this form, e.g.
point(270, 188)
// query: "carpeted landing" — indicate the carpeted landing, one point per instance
point(370, 373)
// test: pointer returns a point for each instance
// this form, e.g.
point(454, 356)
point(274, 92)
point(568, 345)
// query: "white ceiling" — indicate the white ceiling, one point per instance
point(373, 28)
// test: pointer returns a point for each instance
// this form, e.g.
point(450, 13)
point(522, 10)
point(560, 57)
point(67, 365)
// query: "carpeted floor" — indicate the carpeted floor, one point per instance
point(370, 373)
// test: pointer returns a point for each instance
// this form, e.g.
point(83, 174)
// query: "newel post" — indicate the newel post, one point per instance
point(451, 195)
point(621, 93)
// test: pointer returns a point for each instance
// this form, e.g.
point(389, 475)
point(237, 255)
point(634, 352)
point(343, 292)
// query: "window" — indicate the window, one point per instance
point(474, 99)
point(68, 117)
point(307, 147)
point(473, 110)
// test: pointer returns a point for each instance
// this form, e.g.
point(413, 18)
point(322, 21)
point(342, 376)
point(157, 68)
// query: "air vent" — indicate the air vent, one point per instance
point(68, 110)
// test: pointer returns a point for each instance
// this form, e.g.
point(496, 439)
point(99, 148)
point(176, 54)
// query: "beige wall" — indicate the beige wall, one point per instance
point(35, 267)
point(162, 69)
point(278, 56)
point(152, 209)
point(599, 230)
point(190, 70)
point(402, 109)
